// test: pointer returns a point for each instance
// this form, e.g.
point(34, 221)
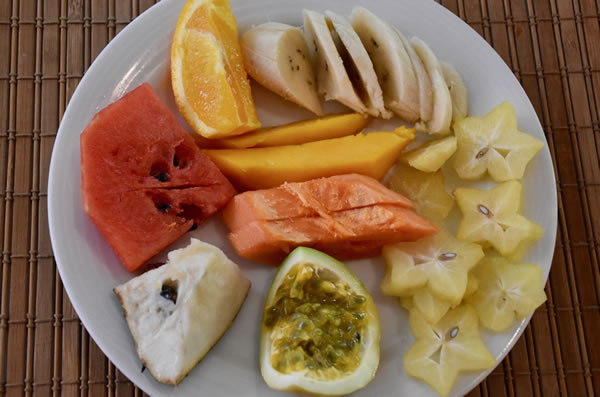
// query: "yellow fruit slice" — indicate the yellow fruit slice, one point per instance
point(493, 144)
point(431, 307)
point(327, 127)
point(493, 216)
point(209, 81)
point(260, 168)
point(472, 285)
point(320, 329)
point(430, 156)
point(440, 263)
point(506, 292)
point(426, 190)
point(445, 349)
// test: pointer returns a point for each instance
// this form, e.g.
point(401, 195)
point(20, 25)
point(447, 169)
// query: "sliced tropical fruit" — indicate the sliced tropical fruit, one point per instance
point(441, 116)
point(426, 190)
point(369, 154)
point(276, 56)
point(472, 285)
point(458, 92)
point(493, 216)
point(407, 303)
point(430, 156)
point(391, 61)
point(423, 80)
point(179, 310)
point(332, 79)
point(431, 307)
point(298, 132)
point(445, 349)
point(506, 292)
point(210, 85)
point(358, 65)
point(440, 263)
point(493, 144)
point(320, 329)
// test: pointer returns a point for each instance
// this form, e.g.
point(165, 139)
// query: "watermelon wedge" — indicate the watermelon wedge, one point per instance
point(144, 181)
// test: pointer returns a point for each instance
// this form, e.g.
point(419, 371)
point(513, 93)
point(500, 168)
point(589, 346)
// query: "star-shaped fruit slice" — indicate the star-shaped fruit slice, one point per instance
point(506, 292)
point(430, 306)
point(445, 349)
point(493, 144)
point(426, 190)
point(493, 216)
point(472, 285)
point(430, 156)
point(440, 263)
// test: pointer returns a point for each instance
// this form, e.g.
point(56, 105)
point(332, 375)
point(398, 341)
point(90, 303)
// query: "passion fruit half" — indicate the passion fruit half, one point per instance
point(320, 329)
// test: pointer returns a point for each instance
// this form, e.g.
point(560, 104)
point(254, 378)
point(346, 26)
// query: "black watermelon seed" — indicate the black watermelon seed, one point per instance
point(194, 227)
point(162, 176)
point(175, 161)
point(163, 207)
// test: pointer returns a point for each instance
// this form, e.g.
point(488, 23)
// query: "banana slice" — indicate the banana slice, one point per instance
point(332, 79)
point(277, 57)
point(458, 92)
point(358, 65)
point(392, 64)
point(442, 102)
point(423, 80)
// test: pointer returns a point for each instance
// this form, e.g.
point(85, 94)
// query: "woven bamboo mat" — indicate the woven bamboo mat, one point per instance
point(553, 47)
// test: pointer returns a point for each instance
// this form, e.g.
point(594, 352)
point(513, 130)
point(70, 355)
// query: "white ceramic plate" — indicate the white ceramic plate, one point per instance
point(90, 270)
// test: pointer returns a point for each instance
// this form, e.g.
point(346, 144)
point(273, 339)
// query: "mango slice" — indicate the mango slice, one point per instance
point(260, 168)
point(317, 129)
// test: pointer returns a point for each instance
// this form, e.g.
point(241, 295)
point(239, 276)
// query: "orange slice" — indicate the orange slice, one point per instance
point(209, 81)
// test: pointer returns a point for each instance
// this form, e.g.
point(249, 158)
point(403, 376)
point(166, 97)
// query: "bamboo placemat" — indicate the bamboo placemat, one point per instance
point(47, 45)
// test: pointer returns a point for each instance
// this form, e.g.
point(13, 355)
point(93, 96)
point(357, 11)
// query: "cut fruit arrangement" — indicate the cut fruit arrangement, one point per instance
point(311, 195)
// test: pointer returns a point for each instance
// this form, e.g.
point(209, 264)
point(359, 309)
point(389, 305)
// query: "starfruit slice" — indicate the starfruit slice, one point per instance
point(445, 349)
point(493, 144)
point(493, 216)
point(430, 306)
point(440, 263)
point(472, 285)
point(426, 190)
point(430, 156)
point(506, 292)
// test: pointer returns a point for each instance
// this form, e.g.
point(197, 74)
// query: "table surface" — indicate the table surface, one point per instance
point(47, 45)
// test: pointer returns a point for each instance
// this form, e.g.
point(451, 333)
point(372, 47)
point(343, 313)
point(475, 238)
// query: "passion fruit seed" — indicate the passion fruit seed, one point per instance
point(316, 323)
point(484, 210)
point(482, 153)
point(446, 256)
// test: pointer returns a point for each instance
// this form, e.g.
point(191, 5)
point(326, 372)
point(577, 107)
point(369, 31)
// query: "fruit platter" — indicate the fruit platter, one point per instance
point(278, 198)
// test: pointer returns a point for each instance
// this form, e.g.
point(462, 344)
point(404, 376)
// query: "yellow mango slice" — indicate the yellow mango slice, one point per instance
point(369, 154)
point(317, 129)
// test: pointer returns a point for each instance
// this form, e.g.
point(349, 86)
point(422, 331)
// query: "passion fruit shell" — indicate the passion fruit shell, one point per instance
point(301, 381)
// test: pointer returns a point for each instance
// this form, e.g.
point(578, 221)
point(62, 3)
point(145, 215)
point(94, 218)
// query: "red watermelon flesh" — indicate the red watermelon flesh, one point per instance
point(144, 181)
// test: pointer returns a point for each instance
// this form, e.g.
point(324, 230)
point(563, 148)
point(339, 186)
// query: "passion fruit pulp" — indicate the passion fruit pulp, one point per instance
point(320, 330)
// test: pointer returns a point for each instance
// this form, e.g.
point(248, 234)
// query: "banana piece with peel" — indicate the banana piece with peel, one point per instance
point(441, 117)
point(392, 63)
point(358, 65)
point(277, 57)
point(458, 92)
point(333, 81)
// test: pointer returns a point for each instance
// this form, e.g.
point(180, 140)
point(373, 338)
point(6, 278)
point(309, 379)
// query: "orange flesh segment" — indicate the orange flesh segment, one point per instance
point(215, 84)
